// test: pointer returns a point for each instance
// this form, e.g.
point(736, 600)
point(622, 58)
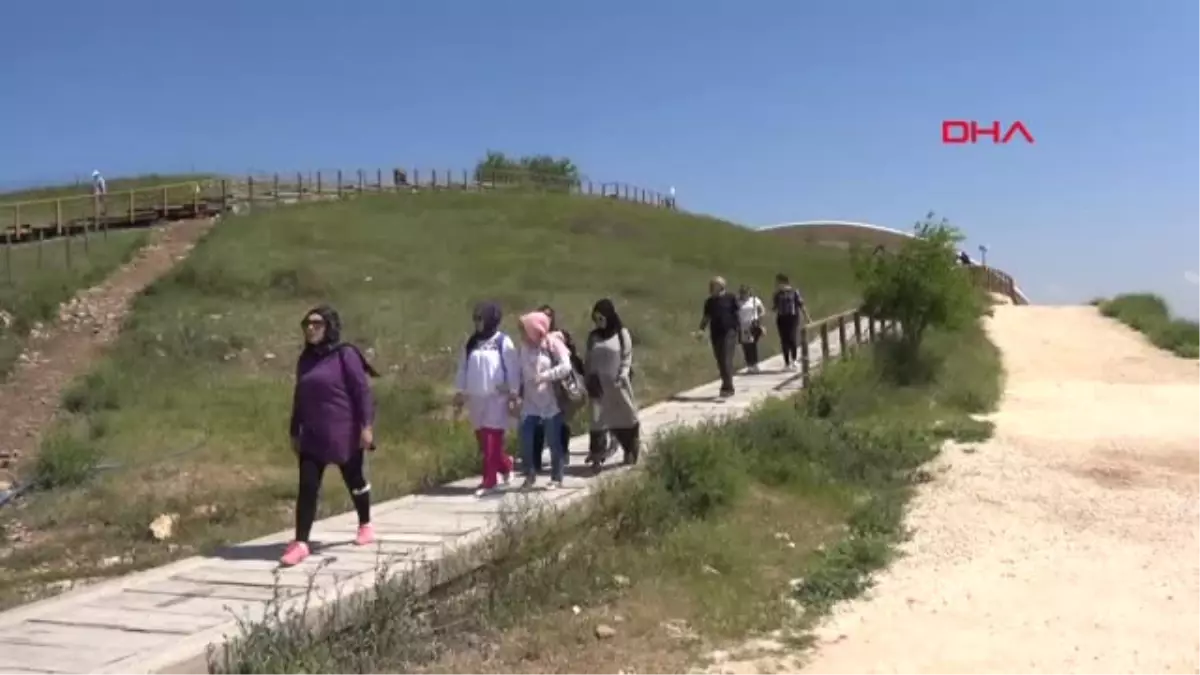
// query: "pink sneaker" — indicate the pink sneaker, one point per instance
point(366, 535)
point(295, 554)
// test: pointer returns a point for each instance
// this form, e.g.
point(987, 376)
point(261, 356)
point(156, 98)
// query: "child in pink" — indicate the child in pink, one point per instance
point(488, 383)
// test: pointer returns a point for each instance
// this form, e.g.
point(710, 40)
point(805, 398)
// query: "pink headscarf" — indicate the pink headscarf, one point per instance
point(536, 326)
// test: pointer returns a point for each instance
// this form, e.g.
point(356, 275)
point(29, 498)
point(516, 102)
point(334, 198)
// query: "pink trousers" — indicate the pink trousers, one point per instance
point(495, 461)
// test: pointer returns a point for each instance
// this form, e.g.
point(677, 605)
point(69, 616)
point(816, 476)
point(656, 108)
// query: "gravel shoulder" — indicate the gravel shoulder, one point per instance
point(1067, 543)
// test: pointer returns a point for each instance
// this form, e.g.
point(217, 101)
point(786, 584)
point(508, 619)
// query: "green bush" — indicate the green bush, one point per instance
point(921, 286)
point(1148, 313)
point(65, 459)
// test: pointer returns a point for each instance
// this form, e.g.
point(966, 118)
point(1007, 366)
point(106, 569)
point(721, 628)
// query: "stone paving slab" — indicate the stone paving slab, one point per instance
point(163, 619)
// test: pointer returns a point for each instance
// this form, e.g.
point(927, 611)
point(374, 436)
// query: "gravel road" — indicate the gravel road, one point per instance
point(1067, 543)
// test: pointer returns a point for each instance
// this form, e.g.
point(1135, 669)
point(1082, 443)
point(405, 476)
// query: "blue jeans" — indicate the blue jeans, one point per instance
point(553, 433)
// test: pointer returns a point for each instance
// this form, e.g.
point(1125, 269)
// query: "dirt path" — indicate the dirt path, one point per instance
point(59, 353)
point(1068, 543)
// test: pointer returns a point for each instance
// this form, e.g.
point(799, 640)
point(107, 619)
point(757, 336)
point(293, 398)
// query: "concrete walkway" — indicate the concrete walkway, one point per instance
point(162, 620)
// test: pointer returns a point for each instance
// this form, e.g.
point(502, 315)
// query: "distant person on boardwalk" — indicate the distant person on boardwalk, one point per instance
point(100, 190)
point(790, 314)
point(539, 438)
point(720, 317)
point(333, 415)
point(609, 379)
point(671, 198)
point(750, 313)
point(99, 187)
point(544, 361)
point(488, 384)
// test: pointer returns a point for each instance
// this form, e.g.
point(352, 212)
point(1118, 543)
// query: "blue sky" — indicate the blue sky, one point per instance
point(759, 111)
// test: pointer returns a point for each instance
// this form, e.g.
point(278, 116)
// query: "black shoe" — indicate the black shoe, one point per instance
point(726, 393)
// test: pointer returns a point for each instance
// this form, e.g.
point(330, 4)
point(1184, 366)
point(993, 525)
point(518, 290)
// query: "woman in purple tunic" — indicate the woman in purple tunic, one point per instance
point(332, 418)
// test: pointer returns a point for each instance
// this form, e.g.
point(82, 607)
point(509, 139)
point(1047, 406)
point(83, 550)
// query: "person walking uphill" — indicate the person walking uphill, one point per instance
point(609, 377)
point(545, 361)
point(721, 319)
point(488, 384)
point(790, 314)
point(333, 415)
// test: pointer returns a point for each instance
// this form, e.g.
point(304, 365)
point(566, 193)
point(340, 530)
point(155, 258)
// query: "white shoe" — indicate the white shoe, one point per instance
point(554, 485)
point(485, 492)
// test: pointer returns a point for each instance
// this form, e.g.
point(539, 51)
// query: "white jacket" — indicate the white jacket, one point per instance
point(493, 367)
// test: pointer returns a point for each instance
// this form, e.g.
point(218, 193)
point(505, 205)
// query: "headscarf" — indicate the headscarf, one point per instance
point(612, 321)
point(333, 329)
point(536, 326)
point(489, 314)
point(333, 338)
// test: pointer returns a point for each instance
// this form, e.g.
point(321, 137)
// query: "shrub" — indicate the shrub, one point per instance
point(921, 286)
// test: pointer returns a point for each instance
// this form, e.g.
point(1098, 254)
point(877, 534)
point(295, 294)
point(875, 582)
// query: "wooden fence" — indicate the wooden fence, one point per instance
point(35, 221)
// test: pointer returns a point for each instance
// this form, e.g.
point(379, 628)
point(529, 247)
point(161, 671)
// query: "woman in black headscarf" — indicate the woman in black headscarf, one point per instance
point(609, 375)
point(333, 415)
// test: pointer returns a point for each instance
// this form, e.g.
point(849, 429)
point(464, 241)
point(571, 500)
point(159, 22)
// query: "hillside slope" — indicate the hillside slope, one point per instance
point(193, 402)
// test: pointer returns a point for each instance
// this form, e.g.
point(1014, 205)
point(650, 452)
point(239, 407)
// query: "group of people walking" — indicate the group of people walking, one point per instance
point(734, 320)
point(540, 378)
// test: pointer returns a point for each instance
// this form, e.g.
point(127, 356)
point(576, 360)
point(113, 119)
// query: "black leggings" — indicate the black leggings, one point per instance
point(311, 473)
point(788, 326)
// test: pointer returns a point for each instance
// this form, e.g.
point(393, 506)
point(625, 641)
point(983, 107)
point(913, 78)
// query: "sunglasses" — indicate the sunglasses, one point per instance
point(311, 323)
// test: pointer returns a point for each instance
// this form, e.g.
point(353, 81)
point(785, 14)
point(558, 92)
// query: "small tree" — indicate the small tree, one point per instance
point(541, 170)
point(920, 285)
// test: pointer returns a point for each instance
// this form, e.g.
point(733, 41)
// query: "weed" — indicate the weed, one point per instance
point(1149, 314)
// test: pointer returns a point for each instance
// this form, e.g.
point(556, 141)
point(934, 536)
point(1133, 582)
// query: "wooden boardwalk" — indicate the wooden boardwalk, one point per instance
point(164, 619)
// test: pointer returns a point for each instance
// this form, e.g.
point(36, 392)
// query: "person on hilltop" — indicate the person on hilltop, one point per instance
point(487, 384)
point(609, 381)
point(539, 437)
point(545, 361)
point(790, 314)
point(750, 330)
point(332, 422)
point(720, 317)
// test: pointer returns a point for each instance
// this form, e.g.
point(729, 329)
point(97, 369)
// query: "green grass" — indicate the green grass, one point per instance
point(195, 395)
point(35, 278)
point(1149, 314)
point(752, 527)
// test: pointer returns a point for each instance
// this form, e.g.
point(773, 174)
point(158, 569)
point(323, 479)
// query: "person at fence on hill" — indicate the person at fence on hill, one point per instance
point(99, 187)
point(720, 317)
point(609, 381)
point(964, 259)
point(539, 438)
point(545, 362)
point(488, 384)
point(790, 314)
point(750, 329)
point(333, 416)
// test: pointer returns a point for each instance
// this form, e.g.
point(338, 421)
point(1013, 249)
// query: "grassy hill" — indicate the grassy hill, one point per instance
point(193, 401)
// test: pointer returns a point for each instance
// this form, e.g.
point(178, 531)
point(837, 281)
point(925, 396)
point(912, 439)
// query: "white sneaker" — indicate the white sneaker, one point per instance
point(554, 485)
point(485, 492)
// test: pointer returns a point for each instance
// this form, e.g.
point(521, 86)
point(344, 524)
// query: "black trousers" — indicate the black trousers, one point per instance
point(539, 446)
point(723, 346)
point(788, 327)
point(311, 473)
point(750, 353)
